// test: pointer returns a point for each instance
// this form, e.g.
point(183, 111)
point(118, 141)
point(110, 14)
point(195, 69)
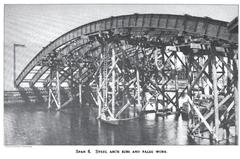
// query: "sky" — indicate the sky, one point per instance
point(36, 25)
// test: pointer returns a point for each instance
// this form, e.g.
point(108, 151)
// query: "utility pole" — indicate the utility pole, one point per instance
point(14, 62)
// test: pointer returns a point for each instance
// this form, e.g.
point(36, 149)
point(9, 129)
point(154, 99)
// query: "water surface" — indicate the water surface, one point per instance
point(35, 125)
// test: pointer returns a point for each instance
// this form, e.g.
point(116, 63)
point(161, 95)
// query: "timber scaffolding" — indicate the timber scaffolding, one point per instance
point(133, 61)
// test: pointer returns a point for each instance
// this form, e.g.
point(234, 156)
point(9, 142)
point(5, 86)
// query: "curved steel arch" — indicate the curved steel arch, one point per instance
point(83, 50)
point(69, 48)
point(179, 23)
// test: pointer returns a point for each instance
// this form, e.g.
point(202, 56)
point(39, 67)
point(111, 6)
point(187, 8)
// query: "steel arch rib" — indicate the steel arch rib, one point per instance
point(38, 75)
point(69, 48)
point(195, 25)
point(83, 50)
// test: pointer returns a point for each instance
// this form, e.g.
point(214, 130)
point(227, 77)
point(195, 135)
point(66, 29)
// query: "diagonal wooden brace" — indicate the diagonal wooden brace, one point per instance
point(211, 112)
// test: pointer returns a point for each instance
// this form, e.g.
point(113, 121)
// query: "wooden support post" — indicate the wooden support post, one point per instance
point(135, 92)
point(138, 89)
point(190, 72)
point(80, 94)
point(176, 80)
point(236, 113)
point(215, 91)
point(49, 98)
point(49, 90)
point(113, 82)
point(163, 80)
point(235, 78)
point(229, 76)
point(189, 64)
point(99, 94)
point(134, 103)
point(124, 78)
point(105, 78)
point(80, 87)
point(223, 74)
point(58, 91)
point(201, 79)
point(156, 59)
point(210, 74)
point(117, 82)
point(71, 81)
point(156, 103)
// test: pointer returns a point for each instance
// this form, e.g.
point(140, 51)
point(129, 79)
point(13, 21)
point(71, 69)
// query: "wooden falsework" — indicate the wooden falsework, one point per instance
point(163, 80)
point(229, 76)
point(71, 81)
point(99, 94)
point(57, 95)
point(210, 74)
point(235, 77)
point(123, 108)
point(58, 91)
point(188, 63)
point(176, 80)
point(225, 64)
point(211, 112)
point(138, 89)
point(105, 78)
point(213, 77)
point(80, 87)
point(80, 94)
point(199, 74)
point(114, 75)
point(215, 92)
point(49, 91)
point(108, 74)
point(113, 81)
point(202, 118)
point(120, 67)
point(54, 98)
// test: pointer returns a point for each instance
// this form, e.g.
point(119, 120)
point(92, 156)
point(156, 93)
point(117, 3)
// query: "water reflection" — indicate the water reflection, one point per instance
point(35, 125)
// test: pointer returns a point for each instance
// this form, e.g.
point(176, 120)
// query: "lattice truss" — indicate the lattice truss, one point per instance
point(139, 61)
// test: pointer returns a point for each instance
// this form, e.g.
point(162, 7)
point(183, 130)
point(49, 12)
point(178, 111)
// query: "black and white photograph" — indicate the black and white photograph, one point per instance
point(120, 74)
